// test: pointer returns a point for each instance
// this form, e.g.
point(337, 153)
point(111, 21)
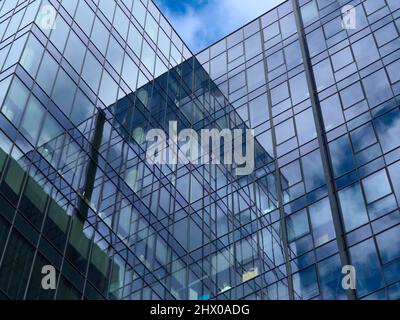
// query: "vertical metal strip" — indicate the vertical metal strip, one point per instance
point(282, 216)
point(312, 87)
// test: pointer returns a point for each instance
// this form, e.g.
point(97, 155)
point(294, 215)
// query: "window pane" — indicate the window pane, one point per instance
point(351, 95)
point(284, 131)
point(298, 88)
point(51, 129)
point(388, 130)
point(47, 73)
point(83, 109)
point(100, 36)
point(130, 72)
point(372, 5)
point(305, 126)
point(92, 71)
point(108, 90)
point(363, 137)
point(31, 57)
point(4, 84)
point(16, 266)
point(275, 60)
point(32, 120)
point(353, 207)
point(394, 172)
point(70, 6)
point(237, 81)
point(297, 225)
point(279, 93)
point(393, 70)
point(365, 51)
point(84, 17)
point(316, 42)
point(15, 101)
point(321, 221)
point(78, 245)
point(121, 23)
point(64, 92)
point(305, 284)
point(309, 12)
point(332, 112)
point(36, 291)
point(389, 244)
point(342, 156)
point(135, 40)
point(60, 33)
point(365, 260)
point(253, 46)
point(313, 170)
point(377, 88)
point(323, 75)
point(12, 52)
point(75, 51)
point(293, 55)
point(342, 59)
point(330, 277)
point(148, 57)
point(115, 54)
point(33, 203)
point(255, 76)
point(235, 52)
point(218, 66)
point(288, 25)
point(291, 174)
point(163, 42)
point(258, 110)
point(108, 8)
point(140, 11)
point(376, 186)
point(386, 34)
point(151, 28)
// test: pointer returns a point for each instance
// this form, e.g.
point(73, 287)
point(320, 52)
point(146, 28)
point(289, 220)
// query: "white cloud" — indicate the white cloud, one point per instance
point(203, 24)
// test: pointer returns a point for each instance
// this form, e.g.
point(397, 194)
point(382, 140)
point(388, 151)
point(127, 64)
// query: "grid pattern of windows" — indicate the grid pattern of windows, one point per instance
point(76, 191)
point(56, 153)
point(358, 98)
point(355, 92)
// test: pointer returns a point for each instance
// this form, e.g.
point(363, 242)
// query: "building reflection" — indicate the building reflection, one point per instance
point(247, 262)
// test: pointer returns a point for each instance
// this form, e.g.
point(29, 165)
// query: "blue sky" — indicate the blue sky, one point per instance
point(200, 23)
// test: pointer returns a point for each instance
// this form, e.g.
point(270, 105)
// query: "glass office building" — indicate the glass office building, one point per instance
point(83, 81)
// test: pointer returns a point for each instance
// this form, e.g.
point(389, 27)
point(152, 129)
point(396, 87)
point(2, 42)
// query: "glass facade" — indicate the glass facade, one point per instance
point(83, 81)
